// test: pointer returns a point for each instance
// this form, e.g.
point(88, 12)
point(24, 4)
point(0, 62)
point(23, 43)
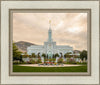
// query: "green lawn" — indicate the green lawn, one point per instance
point(17, 68)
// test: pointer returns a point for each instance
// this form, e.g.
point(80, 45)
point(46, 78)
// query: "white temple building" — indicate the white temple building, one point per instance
point(49, 47)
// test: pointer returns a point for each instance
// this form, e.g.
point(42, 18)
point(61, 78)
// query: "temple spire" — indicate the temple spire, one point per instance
point(50, 32)
point(49, 24)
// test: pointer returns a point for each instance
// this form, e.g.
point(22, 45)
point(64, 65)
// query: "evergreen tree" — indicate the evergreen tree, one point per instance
point(16, 54)
point(83, 54)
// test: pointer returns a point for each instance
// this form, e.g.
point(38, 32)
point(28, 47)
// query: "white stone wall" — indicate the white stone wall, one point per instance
point(35, 49)
point(44, 49)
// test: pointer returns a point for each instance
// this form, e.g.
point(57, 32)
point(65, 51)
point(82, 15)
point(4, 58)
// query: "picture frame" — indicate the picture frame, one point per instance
point(8, 77)
point(11, 11)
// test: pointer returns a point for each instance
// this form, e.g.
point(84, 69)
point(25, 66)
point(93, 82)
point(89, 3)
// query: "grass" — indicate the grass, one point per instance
point(17, 68)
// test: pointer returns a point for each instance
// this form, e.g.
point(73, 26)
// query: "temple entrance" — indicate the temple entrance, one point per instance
point(49, 54)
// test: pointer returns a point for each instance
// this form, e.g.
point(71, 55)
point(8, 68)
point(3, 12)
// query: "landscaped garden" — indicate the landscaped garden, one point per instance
point(42, 63)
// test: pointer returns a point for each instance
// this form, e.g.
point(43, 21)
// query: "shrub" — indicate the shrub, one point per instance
point(24, 63)
point(39, 61)
point(16, 62)
point(45, 60)
point(32, 61)
point(53, 60)
point(33, 55)
point(50, 60)
point(55, 63)
point(60, 60)
point(84, 63)
point(25, 56)
point(71, 61)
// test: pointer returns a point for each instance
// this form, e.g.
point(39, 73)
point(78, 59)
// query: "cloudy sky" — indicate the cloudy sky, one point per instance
point(67, 28)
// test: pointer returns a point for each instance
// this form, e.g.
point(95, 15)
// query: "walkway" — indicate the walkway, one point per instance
point(36, 65)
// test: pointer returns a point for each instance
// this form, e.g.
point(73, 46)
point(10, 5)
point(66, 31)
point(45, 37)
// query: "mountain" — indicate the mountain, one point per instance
point(77, 51)
point(22, 45)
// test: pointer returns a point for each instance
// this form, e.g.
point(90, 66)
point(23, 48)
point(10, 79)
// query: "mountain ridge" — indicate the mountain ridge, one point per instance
point(22, 45)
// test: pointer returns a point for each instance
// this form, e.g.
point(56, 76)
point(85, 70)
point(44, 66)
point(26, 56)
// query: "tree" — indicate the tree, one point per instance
point(61, 55)
point(33, 55)
point(44, 55)
point(56, 55)
point(47, 56)
point(25, 55)
point(65, 55)
point(53, 56)
point(16, 53)
point(39, 55)
point(83, 54)
point(68, 55)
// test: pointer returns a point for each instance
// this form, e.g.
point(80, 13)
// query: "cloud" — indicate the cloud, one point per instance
point(67, 28)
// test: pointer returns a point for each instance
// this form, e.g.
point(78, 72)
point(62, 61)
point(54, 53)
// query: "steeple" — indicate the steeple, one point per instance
point(49, 24)
point(49, 32)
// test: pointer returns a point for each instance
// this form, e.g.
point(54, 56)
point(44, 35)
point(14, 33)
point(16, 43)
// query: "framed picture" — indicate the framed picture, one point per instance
point(50, 42)
point(50, 57)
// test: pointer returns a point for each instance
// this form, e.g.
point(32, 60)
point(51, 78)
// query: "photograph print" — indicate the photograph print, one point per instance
point(49, 42)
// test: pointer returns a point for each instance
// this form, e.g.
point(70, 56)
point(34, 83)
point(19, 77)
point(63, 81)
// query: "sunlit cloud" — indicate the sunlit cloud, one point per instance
point(74, 30)
point(67, 28)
